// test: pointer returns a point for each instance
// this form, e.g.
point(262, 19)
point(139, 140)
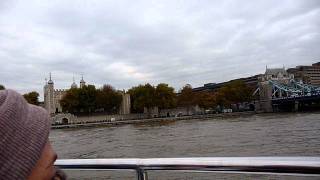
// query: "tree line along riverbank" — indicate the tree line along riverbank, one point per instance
point(89, 99)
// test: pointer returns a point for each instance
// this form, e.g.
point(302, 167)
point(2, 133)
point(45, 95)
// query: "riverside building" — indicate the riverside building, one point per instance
point(307, 74)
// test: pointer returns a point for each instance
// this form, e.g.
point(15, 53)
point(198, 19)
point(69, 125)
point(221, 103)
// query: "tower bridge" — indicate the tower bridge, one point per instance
point(277, 90)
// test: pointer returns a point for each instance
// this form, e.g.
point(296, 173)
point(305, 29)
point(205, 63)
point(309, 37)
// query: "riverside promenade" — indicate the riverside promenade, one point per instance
point(150, 120)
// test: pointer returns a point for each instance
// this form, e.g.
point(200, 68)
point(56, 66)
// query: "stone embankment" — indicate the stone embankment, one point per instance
point(139, 121)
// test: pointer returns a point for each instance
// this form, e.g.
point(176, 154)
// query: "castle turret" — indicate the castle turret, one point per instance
point(74, 85)
point(49, 96)
point(125, 104)
point(82, 82)
point(50, 80)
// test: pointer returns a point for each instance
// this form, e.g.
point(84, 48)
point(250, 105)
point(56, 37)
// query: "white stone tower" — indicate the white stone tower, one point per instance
point(49, 96)
point(125, 104)
point(82, 82)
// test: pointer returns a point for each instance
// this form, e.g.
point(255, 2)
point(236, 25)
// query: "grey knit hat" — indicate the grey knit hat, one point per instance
point(24, 131)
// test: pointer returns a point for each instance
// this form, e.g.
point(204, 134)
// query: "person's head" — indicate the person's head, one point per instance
point(25, 150)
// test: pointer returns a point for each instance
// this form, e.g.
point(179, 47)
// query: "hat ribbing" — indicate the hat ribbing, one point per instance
point(24, 130)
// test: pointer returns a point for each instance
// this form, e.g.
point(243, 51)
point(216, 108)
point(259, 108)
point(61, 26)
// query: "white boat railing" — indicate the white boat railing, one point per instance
point(304, 166)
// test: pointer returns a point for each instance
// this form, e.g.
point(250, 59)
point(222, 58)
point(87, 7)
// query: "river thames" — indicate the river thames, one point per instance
point(293, 134)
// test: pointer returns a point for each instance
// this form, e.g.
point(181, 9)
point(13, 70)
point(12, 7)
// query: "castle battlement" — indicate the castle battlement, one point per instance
point(61, 90)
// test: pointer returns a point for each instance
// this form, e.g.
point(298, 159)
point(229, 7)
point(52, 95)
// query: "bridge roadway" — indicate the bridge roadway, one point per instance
point(296, 103)
point(296, 98)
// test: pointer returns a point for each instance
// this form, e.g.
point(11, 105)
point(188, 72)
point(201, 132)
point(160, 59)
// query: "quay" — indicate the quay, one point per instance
point(150, 120)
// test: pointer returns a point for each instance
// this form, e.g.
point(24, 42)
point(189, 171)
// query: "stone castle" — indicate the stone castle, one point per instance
point(53, 96)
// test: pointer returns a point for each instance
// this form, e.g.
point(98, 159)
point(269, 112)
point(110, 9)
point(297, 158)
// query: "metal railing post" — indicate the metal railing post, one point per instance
point(142, 174)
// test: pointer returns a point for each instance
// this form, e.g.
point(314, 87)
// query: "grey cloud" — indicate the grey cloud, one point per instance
point(131, 42)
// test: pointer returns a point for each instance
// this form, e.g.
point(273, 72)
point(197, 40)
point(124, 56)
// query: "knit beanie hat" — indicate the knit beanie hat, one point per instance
point(24, 131)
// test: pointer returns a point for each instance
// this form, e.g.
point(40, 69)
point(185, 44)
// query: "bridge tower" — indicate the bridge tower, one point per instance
point(266, 88)
point(265, 94)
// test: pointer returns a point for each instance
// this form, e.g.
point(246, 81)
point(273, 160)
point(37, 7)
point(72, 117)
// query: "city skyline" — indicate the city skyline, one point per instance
point(130, 43)
point(77, 84)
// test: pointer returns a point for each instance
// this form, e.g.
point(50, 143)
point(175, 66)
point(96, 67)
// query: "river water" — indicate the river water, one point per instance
point(294, 134)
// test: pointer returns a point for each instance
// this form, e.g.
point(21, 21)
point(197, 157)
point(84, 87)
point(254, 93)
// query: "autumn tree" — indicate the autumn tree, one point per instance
point(206, 100)
point(233, 92)
point(186, 97)
point(165, 96)
point(32, 97)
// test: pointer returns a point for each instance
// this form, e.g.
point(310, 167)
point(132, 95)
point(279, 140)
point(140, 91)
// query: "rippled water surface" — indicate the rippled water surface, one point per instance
point(257, 135)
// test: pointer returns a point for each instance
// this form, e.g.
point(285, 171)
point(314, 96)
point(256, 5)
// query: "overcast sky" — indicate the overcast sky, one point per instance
point(126, 43)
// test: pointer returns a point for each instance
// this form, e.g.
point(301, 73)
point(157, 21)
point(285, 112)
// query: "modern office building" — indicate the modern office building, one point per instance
point(307, 74)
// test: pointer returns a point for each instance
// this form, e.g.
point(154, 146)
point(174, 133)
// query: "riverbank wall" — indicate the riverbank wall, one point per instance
point(103, 122)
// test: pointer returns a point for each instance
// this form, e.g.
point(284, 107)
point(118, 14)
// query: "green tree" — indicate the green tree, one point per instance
point(142, 96)
point(2, 87)
point(165, 97)
point(108, 99)
point(87, 98)
point(32, 97)
point(70, 102)
point(79, 100)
